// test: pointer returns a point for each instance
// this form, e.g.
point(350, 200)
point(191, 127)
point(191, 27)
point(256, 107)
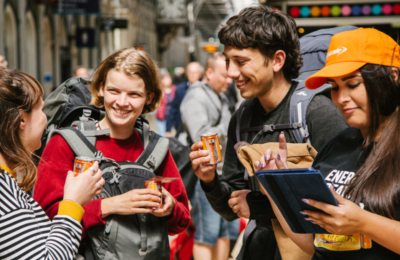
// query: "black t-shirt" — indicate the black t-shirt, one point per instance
point(338, 162)
point(324, 121)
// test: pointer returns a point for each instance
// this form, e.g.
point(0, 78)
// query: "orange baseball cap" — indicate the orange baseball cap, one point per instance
point(350, 50)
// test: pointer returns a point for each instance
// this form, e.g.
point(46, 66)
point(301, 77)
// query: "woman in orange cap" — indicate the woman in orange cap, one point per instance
point(361, 165)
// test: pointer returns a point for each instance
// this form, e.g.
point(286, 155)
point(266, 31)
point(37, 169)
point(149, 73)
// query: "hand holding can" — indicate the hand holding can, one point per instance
point(211, 143)
point(81, 164)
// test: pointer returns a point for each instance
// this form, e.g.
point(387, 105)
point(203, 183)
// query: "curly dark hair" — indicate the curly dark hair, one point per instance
point(268, 31)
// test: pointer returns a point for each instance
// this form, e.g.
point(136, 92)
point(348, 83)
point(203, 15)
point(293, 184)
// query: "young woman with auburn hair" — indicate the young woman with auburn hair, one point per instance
point(126, 85)
point(25, 230)
point(362, 162)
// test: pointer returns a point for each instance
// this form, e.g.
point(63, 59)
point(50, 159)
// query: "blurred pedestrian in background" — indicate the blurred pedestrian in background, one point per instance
point(179, 76)
point(81, 71)
point(166, 102)
point(3, 62)
point(194, 73)
point(205, 109)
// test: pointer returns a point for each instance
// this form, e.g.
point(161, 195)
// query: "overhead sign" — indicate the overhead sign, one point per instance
point(77, 7)
point(86, 37)
point(109, 24)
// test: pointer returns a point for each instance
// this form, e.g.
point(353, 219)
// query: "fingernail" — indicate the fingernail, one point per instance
point(308, 219)
point(303, 212)
point(263, 164)
point(278, 157)
point(267, 157)
point(305, 201)
point(282, 133)
point(313, 222)
point(205, 152)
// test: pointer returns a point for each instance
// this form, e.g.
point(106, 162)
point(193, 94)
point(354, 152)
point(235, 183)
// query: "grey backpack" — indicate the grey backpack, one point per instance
point(138, 236)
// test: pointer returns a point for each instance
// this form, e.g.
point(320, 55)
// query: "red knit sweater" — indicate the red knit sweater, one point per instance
point(58, 159)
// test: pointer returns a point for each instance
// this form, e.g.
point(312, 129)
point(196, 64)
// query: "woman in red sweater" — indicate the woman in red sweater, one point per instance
point(126, 84)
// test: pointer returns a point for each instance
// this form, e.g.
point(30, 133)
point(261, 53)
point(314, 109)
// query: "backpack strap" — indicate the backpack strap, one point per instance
point(87, 127)
point(299, 102)
point(239, 114)
point(78, 142)
point(155, 152)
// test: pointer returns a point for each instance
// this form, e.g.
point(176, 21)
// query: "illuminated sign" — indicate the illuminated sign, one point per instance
point(344, 10)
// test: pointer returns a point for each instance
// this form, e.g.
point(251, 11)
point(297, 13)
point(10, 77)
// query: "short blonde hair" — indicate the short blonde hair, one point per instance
point(134, 63)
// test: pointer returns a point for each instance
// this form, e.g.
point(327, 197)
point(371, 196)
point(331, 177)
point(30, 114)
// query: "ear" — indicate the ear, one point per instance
point(101, 90)
point(22, 121)
point(395, 74)
point(149, 98)
point(278, 60)
point(209, 72)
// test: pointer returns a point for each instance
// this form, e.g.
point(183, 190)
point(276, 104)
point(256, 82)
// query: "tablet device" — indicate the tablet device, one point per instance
point(287, 187)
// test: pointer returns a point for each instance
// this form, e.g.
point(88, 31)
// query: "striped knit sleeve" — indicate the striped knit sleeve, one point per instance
point(27, 233)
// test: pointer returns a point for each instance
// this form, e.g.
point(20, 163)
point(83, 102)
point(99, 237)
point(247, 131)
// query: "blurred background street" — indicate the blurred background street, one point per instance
point(54, 40)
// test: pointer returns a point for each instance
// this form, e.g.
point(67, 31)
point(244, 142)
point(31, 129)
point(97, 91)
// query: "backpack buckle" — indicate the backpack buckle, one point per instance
point(142, 253)
point(116, 176)
point(268, 128)
point(85, 115)
point(151, 162)
point(297, 125)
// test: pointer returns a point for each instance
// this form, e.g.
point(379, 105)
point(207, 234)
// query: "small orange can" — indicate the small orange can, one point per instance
point(154, 185)
point(81, 164)
point(211, 144)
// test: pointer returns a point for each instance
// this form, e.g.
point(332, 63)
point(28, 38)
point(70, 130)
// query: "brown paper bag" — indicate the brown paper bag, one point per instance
point(299, 156)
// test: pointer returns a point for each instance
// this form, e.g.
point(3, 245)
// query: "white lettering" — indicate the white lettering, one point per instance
point(337, 176)
point(337, 51)
point(349, 177)
point(344, 175)
point(330, 175)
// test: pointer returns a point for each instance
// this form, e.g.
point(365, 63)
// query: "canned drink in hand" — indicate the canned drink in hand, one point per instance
point(81, 164)
point(154, 185)
point(211, 144)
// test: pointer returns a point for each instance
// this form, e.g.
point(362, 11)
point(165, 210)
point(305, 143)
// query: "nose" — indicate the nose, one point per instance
point(233, 71)
point(122, 100)
point(343, 95)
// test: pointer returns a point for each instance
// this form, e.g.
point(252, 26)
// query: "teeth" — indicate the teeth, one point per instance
point(241, 83)
point(121, 111)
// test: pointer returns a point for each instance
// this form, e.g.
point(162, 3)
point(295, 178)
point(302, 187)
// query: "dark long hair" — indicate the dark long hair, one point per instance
point(19, 93)
point(377, 182)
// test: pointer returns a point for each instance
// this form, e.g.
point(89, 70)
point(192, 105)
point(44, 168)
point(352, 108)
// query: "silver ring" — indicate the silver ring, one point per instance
point(92, 169)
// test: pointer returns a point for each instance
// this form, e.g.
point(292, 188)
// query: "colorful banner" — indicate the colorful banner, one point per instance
point(346, 10)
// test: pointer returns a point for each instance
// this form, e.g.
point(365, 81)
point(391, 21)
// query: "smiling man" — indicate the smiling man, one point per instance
point(263, 57)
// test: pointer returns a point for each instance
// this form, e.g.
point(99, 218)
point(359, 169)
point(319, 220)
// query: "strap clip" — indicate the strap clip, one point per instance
point(268, 128)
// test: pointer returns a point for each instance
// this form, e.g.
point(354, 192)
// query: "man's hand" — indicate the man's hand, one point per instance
point(168, 134)
point(238, 203)
point(200, 159)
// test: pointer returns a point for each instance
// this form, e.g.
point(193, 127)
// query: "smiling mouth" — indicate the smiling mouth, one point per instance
point(349, 110)
point(240, 83)
point(122, 112)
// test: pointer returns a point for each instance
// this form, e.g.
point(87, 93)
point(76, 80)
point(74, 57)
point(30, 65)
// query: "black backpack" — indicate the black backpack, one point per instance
point(138, 236)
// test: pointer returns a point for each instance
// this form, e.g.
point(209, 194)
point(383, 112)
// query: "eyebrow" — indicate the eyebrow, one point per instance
point(235, 56)
point(344, 79)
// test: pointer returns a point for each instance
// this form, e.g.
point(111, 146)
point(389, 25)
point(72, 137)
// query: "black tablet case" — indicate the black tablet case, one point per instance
point(288, 187)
